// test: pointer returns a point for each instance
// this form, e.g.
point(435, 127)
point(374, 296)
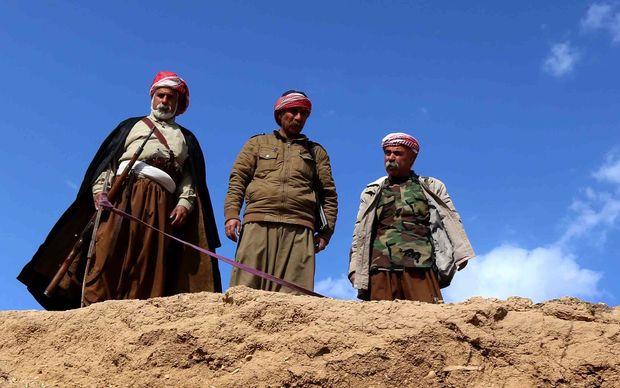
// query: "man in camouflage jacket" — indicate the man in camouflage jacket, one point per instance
point(408, 239)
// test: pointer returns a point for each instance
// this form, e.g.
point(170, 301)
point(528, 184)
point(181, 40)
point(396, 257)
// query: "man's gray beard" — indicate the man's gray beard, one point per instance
point(162, 112)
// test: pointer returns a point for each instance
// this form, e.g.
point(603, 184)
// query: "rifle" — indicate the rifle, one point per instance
point(88, 229)
point(93, 238)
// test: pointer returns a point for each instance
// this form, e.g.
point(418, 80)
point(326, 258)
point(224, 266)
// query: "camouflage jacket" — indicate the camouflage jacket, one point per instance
point(450, 243)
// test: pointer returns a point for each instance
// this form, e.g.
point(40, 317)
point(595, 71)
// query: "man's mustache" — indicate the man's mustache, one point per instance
point(391, 165)
point(164, 108)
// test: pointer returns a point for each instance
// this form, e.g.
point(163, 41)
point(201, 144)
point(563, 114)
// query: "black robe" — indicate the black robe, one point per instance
point(192, 272)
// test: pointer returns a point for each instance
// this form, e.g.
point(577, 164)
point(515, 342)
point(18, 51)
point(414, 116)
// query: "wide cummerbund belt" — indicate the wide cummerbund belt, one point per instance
point(146, 170)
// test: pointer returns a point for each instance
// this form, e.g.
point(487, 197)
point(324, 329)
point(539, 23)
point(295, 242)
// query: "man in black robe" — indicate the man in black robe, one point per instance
point(166, 188)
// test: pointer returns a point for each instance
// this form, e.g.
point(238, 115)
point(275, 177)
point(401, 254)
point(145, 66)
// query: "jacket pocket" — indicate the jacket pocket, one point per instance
point(267, 161)
point(305, 164)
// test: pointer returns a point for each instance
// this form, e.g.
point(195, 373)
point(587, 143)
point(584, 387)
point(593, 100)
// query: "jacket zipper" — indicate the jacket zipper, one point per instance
point(287, 168)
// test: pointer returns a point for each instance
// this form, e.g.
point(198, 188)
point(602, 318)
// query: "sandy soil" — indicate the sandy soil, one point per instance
point(247, 338)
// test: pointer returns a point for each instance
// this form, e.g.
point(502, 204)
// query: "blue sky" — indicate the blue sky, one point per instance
point(515, 107)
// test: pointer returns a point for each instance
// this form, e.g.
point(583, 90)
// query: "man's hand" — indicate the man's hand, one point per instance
point(319, 244)
point(232, 229)
point(98, 197)
point(178, 216)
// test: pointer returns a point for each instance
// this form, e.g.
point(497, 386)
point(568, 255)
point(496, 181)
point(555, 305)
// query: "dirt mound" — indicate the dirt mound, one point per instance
point(252, 338)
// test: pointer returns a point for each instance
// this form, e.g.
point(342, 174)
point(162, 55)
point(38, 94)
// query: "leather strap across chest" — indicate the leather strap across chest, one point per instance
point(156, 131)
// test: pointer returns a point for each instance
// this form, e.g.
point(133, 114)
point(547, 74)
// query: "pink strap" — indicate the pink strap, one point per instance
point(107, 205)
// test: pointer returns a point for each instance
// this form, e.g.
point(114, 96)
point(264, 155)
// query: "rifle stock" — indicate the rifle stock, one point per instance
point(64, 267)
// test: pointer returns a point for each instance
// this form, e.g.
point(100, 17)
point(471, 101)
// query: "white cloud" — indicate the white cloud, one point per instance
point(602, 16)
point(598, 210)
point(549, 271)
point(336, 288)
point(539, 274)
point(614, 28)
point(598, 16)
point(561, 59)
point(610, 170)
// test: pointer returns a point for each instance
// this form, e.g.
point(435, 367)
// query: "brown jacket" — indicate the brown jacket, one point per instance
point(275, 177)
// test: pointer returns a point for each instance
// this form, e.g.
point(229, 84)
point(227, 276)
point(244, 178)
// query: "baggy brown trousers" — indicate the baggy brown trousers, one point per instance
point(411, 284)
point(282, 250)
point(130, 259)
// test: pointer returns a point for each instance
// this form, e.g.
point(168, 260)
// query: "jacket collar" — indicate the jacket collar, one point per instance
point(301, 139)
point(385, 179)
point(412, 176)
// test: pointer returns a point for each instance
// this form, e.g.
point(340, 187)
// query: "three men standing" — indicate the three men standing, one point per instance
point(408, 239)
point(280, 176)
point(166, 188)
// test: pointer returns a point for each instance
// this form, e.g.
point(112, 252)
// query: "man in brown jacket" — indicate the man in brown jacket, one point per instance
point(277, 175)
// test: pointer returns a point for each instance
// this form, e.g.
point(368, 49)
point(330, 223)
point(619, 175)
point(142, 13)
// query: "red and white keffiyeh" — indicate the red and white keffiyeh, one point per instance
point(292, 100)
point(400, 138)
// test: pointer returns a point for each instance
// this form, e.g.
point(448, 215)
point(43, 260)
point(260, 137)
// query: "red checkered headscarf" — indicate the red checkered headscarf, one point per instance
point(399, 138)
point(168, 79)
point(291, 99)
